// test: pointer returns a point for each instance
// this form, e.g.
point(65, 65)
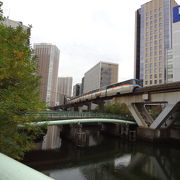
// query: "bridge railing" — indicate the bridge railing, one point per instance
point(12, 169)
point(74, 114)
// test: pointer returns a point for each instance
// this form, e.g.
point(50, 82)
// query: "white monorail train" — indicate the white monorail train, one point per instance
point(124, 87)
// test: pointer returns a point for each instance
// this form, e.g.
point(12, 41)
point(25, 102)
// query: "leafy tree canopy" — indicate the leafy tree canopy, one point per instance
point(117, 108)
point(19, 90)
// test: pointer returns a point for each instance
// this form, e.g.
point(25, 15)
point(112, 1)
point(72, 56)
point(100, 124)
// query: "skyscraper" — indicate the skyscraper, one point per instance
point(64, 89)
point(102, 74)
point(48, 63)
point(153, 39)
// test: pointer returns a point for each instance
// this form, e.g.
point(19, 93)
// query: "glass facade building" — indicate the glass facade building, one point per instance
point(155, 37)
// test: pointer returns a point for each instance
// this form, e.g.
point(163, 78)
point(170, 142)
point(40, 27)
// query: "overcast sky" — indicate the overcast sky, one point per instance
point(85, 31)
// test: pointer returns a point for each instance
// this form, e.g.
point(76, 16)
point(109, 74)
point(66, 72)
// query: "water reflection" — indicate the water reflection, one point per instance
point(52, 139)
point(106, 159)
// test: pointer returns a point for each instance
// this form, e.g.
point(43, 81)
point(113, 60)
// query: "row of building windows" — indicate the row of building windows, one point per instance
point(153, 64)
point(154, 12)
point(150, 23)
point(153, 34)
point(155, 53)
point(157, 58)
point(155, 70)
point(156, 26)
point(153, 82)
point(151, 76)
point(150, 45)
point(151, 18)
point(155, 48)
point(150, 38)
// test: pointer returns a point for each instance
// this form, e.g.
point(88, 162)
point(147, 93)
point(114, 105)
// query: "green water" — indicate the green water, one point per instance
point(108, 158)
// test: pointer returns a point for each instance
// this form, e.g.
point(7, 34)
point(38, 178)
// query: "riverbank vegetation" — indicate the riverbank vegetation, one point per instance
point(19, 90)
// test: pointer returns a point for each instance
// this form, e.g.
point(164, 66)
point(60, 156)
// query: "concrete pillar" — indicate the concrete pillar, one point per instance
point(88, 106)
point(137, 115)
point(101, 106)
point(163, 116)
point(76, 108)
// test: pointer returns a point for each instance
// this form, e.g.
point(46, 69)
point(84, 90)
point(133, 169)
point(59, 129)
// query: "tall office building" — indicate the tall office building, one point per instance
point(64, 89)
point(48, 63)
point(100, 75)
point(153, 39)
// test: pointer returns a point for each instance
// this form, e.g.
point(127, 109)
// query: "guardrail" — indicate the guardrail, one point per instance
point(11, 169)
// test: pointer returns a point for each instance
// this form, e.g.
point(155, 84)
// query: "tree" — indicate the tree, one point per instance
point(117, 108)
point(19, 91)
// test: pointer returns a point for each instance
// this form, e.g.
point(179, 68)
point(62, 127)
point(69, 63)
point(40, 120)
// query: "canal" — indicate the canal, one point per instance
point(104, 158)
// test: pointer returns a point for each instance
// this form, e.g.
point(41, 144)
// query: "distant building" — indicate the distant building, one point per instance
point(77, 90)
point(14, 24)
point(102, 74)
point(64, 89)
point(48, 63)
point(153, 40)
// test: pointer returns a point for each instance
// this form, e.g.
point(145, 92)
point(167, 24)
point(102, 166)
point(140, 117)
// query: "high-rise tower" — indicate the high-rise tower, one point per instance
point(153, 39)
point(48, 63)
point(102, 74)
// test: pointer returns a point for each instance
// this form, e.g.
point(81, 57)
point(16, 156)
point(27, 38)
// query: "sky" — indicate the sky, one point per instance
point(85, 31)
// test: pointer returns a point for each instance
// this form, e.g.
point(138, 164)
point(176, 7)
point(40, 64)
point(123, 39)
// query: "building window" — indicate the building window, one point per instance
point(146, 82)
point(155, 82)
point(150, 81)
point(160, 81)
point(160, 25)
point(155, 76)
point(170, 56)
point(160, 75)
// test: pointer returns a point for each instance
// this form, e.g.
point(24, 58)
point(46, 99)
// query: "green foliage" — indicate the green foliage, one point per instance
point(117, 108)
point(1, 12)
point(154, 110)
point(19, 91)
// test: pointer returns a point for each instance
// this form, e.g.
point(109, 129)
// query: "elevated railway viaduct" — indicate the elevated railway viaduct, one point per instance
point(166, 95)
